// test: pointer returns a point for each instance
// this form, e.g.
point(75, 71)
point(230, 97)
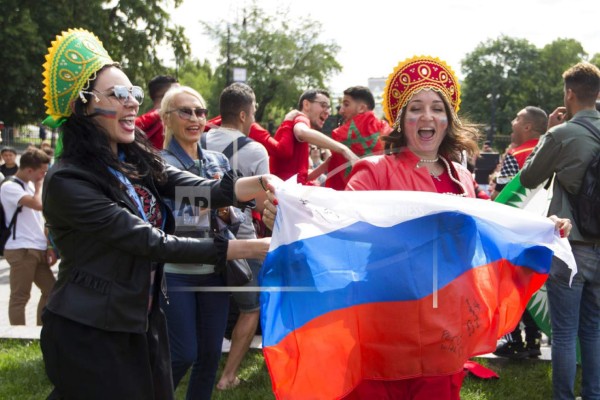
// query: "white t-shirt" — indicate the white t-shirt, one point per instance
point(251, 160)
point(30, 222)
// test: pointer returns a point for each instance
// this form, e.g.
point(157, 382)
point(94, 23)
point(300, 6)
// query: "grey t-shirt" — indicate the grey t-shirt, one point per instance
point(252, 159)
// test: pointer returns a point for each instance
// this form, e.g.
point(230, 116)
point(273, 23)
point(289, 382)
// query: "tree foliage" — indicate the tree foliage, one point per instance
point(131, 31)
point(596, 60)
point(282, 59)
point(496, 81)
point(200, 76)
point(506, 74)
point(556, 58)
point(283, 56)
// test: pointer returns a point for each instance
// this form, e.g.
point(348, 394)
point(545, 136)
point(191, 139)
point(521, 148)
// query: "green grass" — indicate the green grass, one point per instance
point(253, 370)
point(22, 376)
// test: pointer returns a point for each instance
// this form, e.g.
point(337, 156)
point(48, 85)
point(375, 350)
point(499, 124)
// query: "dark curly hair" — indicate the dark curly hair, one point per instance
point(86, 144)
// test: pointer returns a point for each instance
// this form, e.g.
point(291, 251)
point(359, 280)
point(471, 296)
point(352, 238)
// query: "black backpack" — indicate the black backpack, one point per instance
point(260, 228)
point(6, 230)
point(586, 204)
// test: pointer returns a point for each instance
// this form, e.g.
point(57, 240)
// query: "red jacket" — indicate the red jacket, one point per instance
point(400, 172)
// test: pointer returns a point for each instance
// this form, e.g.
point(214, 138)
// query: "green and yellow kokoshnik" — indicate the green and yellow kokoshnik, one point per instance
point(71, 60)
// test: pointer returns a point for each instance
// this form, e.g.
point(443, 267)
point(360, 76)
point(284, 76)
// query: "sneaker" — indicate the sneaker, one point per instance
point(534, 348)
point(514, 350)
point(534, 352)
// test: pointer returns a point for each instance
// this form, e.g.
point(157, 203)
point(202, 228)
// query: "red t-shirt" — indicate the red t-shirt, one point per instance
point(443, 184)
point(291, 157)
point(523, 151)
point(152, 126)
point(362, 135)
point(257, 133)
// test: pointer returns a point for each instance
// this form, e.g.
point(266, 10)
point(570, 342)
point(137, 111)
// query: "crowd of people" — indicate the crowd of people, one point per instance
point(133, 205)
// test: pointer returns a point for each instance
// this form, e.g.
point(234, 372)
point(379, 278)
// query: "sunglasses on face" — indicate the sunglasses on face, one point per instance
point(122, 93)
point(186, 112)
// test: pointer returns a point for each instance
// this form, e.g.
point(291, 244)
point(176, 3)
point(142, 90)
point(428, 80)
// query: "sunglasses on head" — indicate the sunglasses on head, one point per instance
point(122, 93)
point(186, 112)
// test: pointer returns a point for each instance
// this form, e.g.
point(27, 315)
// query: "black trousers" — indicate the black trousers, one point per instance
point(83, 362)
point(532, 331)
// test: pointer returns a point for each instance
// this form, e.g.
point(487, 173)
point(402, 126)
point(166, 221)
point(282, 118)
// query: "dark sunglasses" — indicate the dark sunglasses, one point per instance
point(122, 93)
point(186, 112)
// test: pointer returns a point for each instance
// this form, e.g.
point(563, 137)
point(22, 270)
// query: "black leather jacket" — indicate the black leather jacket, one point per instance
point(107, 250)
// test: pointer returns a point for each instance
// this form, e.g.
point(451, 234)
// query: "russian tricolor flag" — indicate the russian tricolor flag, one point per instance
point(388, 285)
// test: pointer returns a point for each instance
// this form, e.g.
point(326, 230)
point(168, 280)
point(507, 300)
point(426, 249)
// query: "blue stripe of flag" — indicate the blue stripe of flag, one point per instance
point(363, 263)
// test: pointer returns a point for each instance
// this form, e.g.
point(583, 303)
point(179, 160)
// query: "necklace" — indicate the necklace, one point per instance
point(435, 160)
point(453, 179)
point(426, 161)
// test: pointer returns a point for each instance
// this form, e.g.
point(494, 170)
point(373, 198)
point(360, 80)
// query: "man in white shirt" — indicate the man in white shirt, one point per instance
point(237, 107)
point(27, 252)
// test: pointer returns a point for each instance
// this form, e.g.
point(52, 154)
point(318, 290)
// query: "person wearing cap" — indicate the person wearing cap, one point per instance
point(104, 335)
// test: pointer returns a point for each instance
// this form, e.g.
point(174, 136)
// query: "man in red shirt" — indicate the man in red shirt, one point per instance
point(294, 136)
point(361, 132)
point(150, 122)
point(529, 124)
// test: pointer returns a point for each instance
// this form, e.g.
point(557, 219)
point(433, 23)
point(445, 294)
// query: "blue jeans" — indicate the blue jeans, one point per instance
point(196, 323)
point(575, 311)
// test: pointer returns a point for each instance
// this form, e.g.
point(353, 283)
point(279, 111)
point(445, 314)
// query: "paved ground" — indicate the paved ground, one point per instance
point(31, 331)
